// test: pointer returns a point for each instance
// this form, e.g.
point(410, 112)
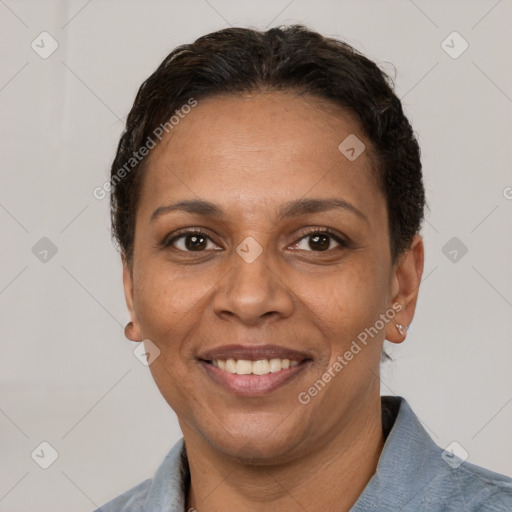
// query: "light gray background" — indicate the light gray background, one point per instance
point(68, 375)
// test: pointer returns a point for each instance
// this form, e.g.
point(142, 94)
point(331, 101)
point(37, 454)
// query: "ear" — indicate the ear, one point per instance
point(132, 331)
point(405, 285)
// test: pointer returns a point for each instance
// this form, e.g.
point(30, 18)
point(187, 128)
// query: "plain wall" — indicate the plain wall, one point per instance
point(67, 374)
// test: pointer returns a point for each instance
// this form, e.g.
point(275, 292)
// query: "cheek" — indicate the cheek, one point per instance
point(346, 302)
point(346, 307)
point(169, 309)
point(168, 305)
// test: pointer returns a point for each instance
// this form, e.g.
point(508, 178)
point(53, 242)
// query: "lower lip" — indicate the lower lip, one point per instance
point(253, 385)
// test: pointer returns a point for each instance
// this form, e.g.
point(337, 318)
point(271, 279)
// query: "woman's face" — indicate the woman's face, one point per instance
point(261, 178)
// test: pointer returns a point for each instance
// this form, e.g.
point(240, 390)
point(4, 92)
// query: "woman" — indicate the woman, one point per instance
point(267, 199)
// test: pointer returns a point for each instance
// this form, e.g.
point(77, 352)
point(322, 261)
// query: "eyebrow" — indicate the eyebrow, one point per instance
point(195, 206)
point(290, 209)
point(305, 206)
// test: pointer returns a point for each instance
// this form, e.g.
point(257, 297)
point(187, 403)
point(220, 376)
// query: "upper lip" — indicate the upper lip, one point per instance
point(253, 353)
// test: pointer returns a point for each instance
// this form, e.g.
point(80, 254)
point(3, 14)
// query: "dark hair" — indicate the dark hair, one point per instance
point(295, 59)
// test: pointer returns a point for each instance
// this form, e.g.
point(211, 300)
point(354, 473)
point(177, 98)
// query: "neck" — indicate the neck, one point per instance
point(330, 477)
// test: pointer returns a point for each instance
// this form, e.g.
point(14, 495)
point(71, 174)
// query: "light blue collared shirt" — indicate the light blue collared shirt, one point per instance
point(413, 475)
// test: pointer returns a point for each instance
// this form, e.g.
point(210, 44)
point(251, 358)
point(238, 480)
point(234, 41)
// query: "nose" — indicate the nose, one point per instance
point(253, 292)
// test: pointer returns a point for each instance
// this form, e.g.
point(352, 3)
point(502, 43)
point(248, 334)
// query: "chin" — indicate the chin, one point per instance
point(262, 442)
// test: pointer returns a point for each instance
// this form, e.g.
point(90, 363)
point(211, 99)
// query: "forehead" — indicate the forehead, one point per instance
point(258, 149)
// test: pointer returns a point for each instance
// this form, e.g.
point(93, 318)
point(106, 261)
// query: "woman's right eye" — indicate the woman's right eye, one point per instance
point(192, 241)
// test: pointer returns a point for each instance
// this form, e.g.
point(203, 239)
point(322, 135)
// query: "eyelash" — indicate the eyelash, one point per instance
point(167, 242)
point(343, 244)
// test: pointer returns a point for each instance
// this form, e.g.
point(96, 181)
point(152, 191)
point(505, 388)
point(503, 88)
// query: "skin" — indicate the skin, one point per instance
point(249, 155)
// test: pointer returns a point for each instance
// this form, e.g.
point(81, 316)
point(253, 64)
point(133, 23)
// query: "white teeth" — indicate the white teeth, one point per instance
point(260, 367)
point(230, 366)
point(275, 365)
point(243, 367)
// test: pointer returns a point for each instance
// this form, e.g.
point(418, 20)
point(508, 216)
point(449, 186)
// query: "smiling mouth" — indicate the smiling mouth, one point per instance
point(253, 370)
point(259, 367)
point(247, 378)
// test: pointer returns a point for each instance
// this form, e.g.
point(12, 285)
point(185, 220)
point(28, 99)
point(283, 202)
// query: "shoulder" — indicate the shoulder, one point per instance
point(165, 491)
point(131, 500)
point(477, 488)
point(415, 474)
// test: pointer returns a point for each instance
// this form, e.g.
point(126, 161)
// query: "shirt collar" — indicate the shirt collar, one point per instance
point(409, 460)
point(168, 486)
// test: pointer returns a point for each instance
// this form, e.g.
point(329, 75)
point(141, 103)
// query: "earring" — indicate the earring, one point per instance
point(399, 328)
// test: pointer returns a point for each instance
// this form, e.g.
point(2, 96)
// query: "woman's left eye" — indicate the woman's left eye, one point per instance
point(319, 241)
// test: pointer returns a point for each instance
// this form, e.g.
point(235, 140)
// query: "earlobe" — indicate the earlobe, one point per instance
point(396, 332)
point(131, 333)
point(405, 289)
point(132, 330)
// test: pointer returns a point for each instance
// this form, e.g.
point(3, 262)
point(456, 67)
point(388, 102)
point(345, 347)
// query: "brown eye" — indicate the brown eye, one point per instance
point(319, 242)
point(191, 241)
point(195, 242)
